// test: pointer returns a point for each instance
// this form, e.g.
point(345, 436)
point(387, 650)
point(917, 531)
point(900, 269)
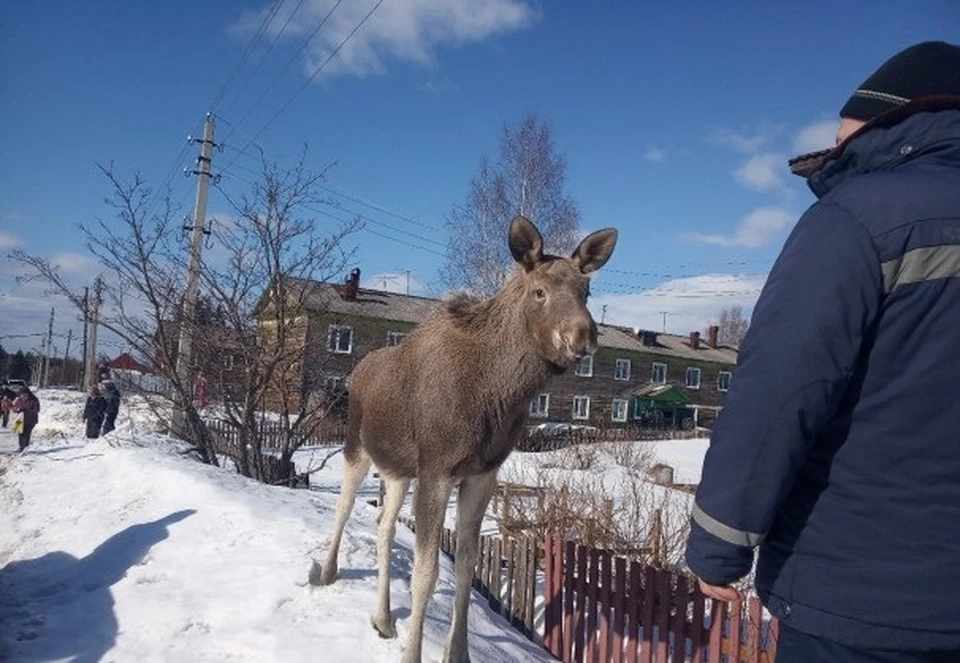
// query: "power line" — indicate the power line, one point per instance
point(267, 19)
point(316, 72)
point(286, 66)
point(380, 208)
point(273, 43)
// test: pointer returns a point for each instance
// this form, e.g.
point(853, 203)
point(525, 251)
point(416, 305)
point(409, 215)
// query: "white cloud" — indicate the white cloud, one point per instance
point(691, 303)
point(75, 264)
point(754, 230)
point(408, 31)
point(763, 172)
point(654, 155)
point(816, 136)
point(8, 241)
point(394, 282)
point(747, 141)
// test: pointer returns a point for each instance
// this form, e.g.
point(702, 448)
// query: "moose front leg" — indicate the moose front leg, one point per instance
point(429, 508)
point(475, 493)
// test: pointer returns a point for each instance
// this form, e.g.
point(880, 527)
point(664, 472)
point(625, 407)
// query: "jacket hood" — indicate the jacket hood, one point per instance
point(878, 146)
point(807, 164)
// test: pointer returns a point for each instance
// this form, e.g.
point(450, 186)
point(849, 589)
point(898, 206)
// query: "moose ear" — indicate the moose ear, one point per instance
point(595, 249)
point(526, 244)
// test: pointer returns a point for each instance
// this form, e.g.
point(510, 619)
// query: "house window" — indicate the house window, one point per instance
point(340, 339)
point(585, 367)
point(621, 371)
point(227, 361)
point(394, 338)
point(581, 407)
point(659, 373)
point(333, 383)
point(540, 406)
point(723, 380)
point(618, 409)
point(693, 378)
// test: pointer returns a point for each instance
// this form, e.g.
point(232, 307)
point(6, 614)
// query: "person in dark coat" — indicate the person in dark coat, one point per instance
point(28, 406)
point(112, 395)
point(836, 452)
point(7, 396)
point(94, 411)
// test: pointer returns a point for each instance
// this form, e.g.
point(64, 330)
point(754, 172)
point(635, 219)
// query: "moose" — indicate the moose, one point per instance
point(448, 405)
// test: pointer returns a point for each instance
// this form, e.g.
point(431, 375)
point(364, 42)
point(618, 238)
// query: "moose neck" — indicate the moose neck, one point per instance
point(517, 371)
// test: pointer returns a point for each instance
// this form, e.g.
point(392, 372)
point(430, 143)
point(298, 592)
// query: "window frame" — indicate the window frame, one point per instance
point(578, 372)
point(538, 413)
point(686, 377)
point(334, 332)
point(653, 372)
point(720, 375)
point(616, 370)
point(580, 398)
point(613, 410)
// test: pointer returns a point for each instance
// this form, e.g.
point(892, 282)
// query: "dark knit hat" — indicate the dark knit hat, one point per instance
point(928, 69)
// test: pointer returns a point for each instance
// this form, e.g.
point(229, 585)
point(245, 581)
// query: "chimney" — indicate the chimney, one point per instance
point(695, 340)
point(352, 285)
point(648, 338)
point(714, 331)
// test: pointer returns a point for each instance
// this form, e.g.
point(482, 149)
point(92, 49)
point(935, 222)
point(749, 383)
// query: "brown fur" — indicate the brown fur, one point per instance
point(448, 404)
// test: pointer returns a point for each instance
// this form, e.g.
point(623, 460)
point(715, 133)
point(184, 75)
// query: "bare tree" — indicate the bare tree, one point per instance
point(269, 256)
point(529, 178)
point(249, 305)
point(733, 326)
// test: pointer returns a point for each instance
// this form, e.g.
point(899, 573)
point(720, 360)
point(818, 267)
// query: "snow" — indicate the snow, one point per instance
point(124, 549)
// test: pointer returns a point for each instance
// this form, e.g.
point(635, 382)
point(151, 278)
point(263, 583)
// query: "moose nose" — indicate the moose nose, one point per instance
point(582, 338)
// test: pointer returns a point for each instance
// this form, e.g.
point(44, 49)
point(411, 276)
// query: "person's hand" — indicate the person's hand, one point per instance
point(719, 592)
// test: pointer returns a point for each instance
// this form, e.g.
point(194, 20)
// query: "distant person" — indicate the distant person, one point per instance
point(837, 451)
point(94, 411)
point(112, 395)
point(7, 396)
point(27, 405)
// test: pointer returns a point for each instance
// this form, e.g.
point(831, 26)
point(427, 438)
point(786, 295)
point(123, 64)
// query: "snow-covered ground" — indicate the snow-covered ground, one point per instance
point(122, 549)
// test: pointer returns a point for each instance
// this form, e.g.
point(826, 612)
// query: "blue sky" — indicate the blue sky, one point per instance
point(676, 120)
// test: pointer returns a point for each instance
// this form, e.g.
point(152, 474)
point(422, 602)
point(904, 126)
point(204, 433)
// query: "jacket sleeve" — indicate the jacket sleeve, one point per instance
point(820, 299)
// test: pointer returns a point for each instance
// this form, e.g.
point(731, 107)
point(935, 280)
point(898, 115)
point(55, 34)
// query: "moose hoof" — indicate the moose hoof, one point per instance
point(320, 576)
point(386, 628)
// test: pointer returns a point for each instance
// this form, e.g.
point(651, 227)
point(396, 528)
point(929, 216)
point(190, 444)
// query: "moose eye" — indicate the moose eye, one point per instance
point(540, 294)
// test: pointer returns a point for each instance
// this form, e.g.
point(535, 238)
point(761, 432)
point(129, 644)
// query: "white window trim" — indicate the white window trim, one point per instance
point(626, 408)
point(653, 372)
point(578, 372)
point(686, 377)
point(617, 364)
point(335, 349)
point(729, 380)
point(535, 407)
point(574, 414)
point(394, 334)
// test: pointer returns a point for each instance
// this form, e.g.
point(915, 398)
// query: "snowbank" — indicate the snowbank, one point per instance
point(124, 549)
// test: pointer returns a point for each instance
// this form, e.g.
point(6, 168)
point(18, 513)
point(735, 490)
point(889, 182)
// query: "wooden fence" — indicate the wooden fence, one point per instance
point(272, 434)
point(506, 575)
point(600, 608)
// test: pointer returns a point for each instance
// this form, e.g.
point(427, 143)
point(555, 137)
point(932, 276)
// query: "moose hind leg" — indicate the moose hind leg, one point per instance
point(396, 492)
point(354, 473)
point(430, 505)
point(474, 495)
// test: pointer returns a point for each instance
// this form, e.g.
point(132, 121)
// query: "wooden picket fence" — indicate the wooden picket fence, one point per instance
point(271, 434)
point(601, 608)
point(506, 575)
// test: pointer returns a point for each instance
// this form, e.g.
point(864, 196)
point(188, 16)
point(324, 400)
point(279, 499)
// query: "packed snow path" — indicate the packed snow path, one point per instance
point(122, 549)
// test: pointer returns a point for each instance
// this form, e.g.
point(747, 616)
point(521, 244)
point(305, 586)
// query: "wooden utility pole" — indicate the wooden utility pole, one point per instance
point(91, 375)
point(185, 346)
point(86, 325)
point(45, 373)
point(66, 358)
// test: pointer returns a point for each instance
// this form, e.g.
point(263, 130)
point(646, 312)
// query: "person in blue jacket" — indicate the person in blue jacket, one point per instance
point(838, 450)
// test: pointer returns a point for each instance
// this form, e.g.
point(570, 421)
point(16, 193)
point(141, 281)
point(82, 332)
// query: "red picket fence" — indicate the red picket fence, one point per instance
point(601, 608)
